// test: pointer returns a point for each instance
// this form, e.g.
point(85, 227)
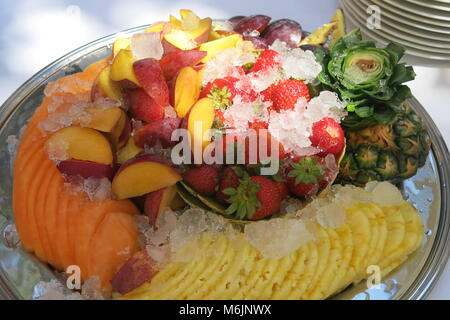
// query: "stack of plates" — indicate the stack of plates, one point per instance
point(422, 26)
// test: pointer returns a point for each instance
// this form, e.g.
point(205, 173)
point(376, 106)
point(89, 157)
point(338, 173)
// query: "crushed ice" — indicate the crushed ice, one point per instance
point(147, 45)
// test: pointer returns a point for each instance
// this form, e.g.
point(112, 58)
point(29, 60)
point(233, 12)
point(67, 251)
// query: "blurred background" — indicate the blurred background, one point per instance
point(33, 33)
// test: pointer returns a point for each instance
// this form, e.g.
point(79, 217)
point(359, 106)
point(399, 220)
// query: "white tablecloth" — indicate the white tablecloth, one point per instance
point(34, 33)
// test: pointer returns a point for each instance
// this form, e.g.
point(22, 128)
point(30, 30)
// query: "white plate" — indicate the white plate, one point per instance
point(421, 11)
point(429, 58)
point(415, 24)
point(403, 31)
point(431, 4)
point(413, 17)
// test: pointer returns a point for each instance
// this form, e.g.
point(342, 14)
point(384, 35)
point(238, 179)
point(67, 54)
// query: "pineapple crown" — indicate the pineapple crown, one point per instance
point(307, 170)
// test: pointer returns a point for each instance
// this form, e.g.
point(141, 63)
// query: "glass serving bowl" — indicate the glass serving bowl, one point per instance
point(427, 191)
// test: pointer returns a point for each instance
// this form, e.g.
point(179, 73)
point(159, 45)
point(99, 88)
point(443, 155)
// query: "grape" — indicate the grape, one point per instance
point(252, 23)
point(258, 42)
point(285, 30)
point(235, 20)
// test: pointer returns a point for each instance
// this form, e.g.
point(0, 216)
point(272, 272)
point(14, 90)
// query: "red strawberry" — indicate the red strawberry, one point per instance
point(283, 188)
point(306, 176)
point(286, 93)
point(328, 136)
point(268, 59)
point(260, 144)
point(230, 179)
point(267, 94)
point(255, 198)
point(222, 91)
point(203, 179)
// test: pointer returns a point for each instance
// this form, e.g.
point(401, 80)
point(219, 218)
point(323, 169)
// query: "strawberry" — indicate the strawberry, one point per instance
point(267, 94)
point(230, 179)
point(285, 94)
point(203, 179)
point(267, 59)
point(306, 176)
point(328, 136)
point(255, 198)
point(260, 144)
point(222, 91)
point(282, 188)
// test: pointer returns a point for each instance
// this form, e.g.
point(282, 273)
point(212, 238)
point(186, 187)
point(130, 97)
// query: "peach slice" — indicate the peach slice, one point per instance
point(104, 87)
point(156, 27)
point(81, 144)
point(129, 151)
point(200, 120)
point(177, 40)
point(120, 134)
point(157, 131)
point(85, 169)
point(142, 175)
point(122, 69)
point(186, 91)
point(151, 77)
point(120, 44)
point(199, 29)
point(137, 270)
point(213, 47)
point(143, 107)
point(157, 201)
point(172, 63)
point(104, 120)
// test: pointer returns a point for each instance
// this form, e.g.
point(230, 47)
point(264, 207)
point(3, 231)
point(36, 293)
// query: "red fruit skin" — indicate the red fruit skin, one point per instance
point(134, 272)
point(286, 94)
point(268, 195)
point(73, 169)
point(175, 61)
point(229, 179)
point(158, 130)
point(328, 136)
point(151, 77)
point(270, 153)
point(283, 188)
point(203, 179)
point(307, 190)
point(235, 20)
point(268, 59)
point(143, 107)
point(252, 23)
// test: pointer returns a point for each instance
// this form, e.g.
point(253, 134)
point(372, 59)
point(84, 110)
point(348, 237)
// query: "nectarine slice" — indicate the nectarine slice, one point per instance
point(129, 151)
point(151, 77)
point(100, 119)
point(200, 120)
point(212, 47)
point(80, 144)
point(157, 201)
point(140, 176)
point(121, 132)
point(122, 67)
point(104, 87)
point(173, 62)
point(121, 44)
point(85, 169)
point(187, 91)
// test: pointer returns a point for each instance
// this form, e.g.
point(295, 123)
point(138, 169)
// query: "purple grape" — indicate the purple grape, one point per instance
point(235, 20)
point(252, 23)
point(258, 42)
point(285, 30)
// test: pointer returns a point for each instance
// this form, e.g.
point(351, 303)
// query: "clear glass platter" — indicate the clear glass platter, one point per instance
point(427, 191)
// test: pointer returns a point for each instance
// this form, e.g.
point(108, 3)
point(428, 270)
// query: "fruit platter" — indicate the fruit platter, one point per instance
point(222, 159)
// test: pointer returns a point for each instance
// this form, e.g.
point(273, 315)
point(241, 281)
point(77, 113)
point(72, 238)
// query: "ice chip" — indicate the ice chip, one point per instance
point(53, 290)
point(386, 194)
point(92, 289)
point(286, 236)
point(147, 45)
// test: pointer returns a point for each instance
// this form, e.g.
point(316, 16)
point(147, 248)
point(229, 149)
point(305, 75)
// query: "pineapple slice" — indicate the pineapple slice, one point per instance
point(320, 36)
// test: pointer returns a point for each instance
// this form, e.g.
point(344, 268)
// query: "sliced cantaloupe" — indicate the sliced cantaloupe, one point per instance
point(110, 251)
point(60, 227)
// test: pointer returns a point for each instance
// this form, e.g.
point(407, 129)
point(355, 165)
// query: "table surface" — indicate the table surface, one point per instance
point(29, 41)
